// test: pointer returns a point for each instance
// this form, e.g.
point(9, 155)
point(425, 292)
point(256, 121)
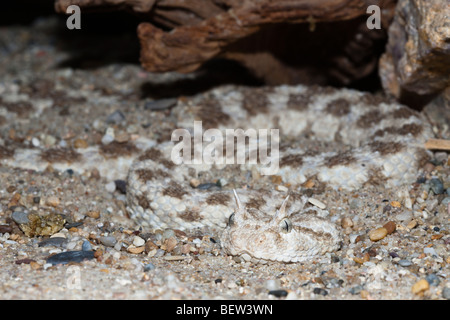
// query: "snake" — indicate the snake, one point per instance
point(341, 138)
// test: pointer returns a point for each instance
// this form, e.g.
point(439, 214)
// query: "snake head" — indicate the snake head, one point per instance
point(285, 236)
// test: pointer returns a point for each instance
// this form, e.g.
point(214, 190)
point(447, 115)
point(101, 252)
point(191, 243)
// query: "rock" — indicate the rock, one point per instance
point(432, 279)
point(70, 256)
point(446, 293)
point(54, 241)
point(420, 286)
point(346, 222)
point(116, 117)
point(20, 217)
point(377, 234)
point(108, 241)
point(404, 263)
point(86, 246)
point(38, 225)
point(436, 185)
point(278, 293)
point(390, 227)
point(138, 241)
point(417, 57)
point(317, 203)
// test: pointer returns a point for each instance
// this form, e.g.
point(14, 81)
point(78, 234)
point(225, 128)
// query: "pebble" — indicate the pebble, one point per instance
point(53, 201)
point(135, 250)
point(70, 256)
point(93, 214)
point(432, 279)
point(20, 217)
point(317, 203)
point(390, 227)
point(167, 233)
point(278, 293)
point(404, 263)
point(108, 137)
point(54, 241)
point(437, 186)
point(420, 286)
point(86, 246)
point(378, 234)
point(346, 222)
point(138, 241)
point(355, 290)
point(149, 267)
point(273, 284)
point(110, 187)
point(430, 251)
point(80, 144)
point(320, 291)
point(412, 224)
point(404, 216)
point(108, 241)
point(446, 293)
point(115, 118)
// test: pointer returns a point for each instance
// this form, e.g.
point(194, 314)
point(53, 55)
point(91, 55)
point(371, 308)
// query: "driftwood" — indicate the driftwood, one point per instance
point(282, 41)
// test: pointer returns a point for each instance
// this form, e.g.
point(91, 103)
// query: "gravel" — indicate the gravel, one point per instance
point(174, 264)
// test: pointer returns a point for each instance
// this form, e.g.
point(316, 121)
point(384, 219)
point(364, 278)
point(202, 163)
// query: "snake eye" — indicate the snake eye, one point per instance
point(231, 220)
point(285, 225)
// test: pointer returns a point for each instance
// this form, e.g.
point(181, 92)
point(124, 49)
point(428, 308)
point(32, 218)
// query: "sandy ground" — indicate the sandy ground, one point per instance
point(412, 262)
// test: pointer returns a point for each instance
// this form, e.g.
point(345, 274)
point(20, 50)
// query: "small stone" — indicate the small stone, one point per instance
point(108, 241)
point(54, 241)
point(121, 185)
point(404, 263)
point(346, 222)
point(138, 241)
point(320, 291)
point(115, 118)
point(404, 216)
point(412, 224)
point(35, 142)
point(432, 279)
point(317, 203)
point(93, 214)
point(86, 246)
point(377, 234)
point(109, 136)
point(80, 144)
point(273, 284)
point(446, 293)
point(420, 286)
point(437, 186)
point(355, 290)
point(135, 250)
point(430, 251)
point(20, 217)
point(149, 267)
point(110, 187)
point(281, 188)
point(53, 201)
point(278, 293)
point(170, 244)
point(174, 258)
point(395, 204)
point(390, 227)
point(194, 183)
point(70, 256)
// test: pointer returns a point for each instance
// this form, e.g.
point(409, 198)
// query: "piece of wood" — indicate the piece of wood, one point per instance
point(437, 144)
